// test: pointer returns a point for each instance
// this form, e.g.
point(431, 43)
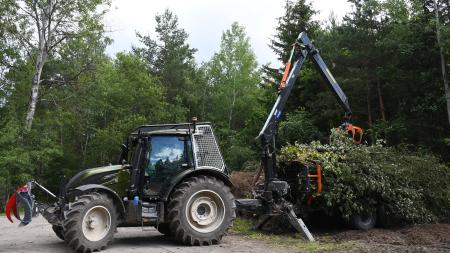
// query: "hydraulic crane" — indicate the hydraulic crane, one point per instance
point(270, 201)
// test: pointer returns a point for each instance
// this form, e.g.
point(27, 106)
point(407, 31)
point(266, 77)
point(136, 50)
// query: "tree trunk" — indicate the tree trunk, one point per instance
point(369, 114)
point(369, 107)
point(442, 56)
point(84, 147)
point(233, 102)
point(380, 100)
point(44, 35)
point(448, 9)
point(35, 89)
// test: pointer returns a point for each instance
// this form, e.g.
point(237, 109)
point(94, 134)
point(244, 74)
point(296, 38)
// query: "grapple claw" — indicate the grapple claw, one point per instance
point(14, 208)
point(20, 196)
point(11, 204)
point(355, 132)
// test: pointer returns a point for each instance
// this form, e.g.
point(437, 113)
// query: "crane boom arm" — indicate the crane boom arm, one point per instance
point(271, 199)
point(307, 50)
point(302, 49)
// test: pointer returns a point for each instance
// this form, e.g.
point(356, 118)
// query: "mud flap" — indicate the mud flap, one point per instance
point(20, 196)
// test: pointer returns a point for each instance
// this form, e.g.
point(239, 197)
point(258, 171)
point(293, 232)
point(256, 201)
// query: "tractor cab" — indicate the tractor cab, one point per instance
point(158, 153)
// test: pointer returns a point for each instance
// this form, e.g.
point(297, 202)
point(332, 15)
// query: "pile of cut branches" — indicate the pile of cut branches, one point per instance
point(411, 186)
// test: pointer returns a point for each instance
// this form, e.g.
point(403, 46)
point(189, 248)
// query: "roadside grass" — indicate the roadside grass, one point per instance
point(296, 241)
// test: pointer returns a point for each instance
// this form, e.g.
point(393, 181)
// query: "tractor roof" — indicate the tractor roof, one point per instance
point(167, 128)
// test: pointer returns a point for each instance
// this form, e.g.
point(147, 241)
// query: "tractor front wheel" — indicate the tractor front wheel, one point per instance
point(90, 222)
point(164, 228)
point(201, 210)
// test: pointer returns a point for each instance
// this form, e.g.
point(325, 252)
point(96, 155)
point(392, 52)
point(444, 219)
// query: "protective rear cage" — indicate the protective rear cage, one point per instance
point(207, 153)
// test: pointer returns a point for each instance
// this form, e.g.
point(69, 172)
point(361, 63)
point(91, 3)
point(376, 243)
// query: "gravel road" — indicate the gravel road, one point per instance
point(39, 237)
point(429, 238)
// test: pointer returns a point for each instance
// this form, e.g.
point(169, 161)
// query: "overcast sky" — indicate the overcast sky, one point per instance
point(205, 20)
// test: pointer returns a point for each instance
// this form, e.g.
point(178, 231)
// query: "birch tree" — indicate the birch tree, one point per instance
point(234, 76)
point(442, 57)
point(42, 26)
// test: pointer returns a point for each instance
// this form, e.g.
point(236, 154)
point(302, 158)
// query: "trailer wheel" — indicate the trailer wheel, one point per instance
point(363, 221)
point(90, 223)
point(58, 231)
point(201, 210)
point(383, 219)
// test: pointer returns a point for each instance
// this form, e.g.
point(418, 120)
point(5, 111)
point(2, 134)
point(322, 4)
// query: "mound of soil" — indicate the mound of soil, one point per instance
point(413, 238)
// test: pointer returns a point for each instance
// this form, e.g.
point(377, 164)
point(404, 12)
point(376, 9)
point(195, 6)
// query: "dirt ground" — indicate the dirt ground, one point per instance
point(39, 237)
point(417, 238)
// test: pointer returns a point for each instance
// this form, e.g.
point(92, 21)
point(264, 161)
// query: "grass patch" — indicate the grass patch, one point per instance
point(296, 241)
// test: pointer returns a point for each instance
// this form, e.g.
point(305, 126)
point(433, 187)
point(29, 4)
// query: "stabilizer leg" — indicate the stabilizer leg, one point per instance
point(262, 221)
point(299, 225)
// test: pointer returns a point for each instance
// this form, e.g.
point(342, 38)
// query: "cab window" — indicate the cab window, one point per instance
point(167, 156)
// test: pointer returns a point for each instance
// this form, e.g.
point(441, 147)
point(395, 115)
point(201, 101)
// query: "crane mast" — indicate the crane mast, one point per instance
point(271, 200)
point(302, 50)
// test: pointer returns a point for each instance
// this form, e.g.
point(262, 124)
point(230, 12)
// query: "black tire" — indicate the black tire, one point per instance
point(58, 231)
point(383, 219)
point(363, 221)
point(183, 228)
point(164, 228)
point(73, 224)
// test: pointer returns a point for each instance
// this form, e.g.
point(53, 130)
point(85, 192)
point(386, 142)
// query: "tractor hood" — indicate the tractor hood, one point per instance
point(100, 175)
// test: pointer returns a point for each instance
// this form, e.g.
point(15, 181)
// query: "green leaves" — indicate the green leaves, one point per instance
point(298, 127)
point(412, 186)
point(233, 85)
point(171, 59)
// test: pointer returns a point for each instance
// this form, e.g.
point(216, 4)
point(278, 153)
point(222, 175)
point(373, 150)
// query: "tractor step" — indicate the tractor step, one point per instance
point(149, 215)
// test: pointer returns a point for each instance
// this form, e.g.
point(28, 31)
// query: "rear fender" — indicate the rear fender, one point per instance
point(166, 191)
point(100, 188)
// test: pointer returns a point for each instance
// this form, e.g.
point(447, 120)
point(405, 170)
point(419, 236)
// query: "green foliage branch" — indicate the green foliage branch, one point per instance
point(411, 186)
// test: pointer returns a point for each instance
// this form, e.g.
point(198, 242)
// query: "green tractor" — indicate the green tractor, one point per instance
point(172, 177)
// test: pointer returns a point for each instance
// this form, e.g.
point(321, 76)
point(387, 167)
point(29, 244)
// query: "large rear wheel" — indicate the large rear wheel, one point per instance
point(90, 223)
point(201, 210)
point(58, 231)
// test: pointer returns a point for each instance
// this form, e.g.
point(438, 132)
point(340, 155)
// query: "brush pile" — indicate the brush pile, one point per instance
point(410, 186)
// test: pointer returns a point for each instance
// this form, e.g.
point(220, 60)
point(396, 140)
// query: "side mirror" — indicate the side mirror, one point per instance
point(123, 154)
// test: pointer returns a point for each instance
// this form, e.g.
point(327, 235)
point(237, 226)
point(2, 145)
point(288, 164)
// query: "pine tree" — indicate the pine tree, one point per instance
point(298, 17)
point(171, 59)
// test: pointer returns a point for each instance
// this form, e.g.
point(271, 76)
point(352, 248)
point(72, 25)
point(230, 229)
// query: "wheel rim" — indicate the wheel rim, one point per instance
point(205, 211)
point(366, 219)
point(96, 223)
